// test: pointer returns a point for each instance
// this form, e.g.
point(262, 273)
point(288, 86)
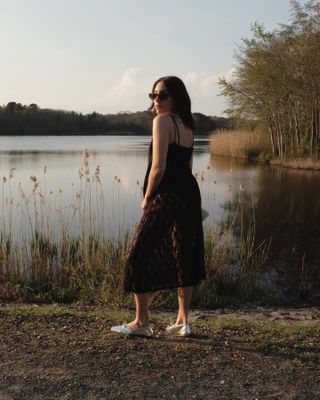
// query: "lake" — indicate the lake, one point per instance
point(283, 204)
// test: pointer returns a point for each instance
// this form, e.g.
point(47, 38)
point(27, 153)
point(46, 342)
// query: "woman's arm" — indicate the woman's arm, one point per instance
point(160, 135)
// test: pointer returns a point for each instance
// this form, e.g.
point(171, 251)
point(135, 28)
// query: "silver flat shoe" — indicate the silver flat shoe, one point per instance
point(142, 331)
point(179, 330)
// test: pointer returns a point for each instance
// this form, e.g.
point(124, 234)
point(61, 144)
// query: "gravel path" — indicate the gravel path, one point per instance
point(49, 352)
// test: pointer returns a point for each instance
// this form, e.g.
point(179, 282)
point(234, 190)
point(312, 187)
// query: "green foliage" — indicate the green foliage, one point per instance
point(276, 82)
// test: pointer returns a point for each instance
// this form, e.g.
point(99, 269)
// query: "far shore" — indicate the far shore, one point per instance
point(254, 146)
point(309, 164)
point(305, 164)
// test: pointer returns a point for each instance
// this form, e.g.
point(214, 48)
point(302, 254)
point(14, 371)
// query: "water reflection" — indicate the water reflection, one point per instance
point(284, 207)
point(288, 210)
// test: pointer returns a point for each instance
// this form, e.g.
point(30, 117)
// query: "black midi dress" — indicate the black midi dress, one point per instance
point(167, 250)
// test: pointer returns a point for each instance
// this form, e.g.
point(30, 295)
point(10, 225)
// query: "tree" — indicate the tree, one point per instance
point(277, 81)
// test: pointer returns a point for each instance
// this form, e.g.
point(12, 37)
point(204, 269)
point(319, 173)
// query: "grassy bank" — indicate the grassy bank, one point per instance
point(92, 271)
point(88, 267)
point(255, 146)
point(303, 163)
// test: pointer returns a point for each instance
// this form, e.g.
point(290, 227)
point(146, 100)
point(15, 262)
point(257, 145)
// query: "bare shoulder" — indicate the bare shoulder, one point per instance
point(162, 120)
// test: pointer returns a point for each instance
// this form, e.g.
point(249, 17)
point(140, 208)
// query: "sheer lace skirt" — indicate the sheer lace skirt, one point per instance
point(167, 250)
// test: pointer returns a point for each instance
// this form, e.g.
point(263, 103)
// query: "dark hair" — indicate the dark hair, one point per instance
point(181, 99)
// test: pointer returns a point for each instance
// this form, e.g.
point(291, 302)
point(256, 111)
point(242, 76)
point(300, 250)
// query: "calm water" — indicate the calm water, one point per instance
point(122, 161)
point(285, 203)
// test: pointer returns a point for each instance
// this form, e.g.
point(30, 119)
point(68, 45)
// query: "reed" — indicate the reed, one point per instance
point(234, 261)
point(303, 163)
point(240, 144)
point(79, 263)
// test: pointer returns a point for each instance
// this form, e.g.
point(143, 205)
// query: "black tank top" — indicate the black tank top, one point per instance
point(177, 162)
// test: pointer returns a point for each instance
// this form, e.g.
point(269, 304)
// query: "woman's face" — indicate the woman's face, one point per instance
point(162, 106)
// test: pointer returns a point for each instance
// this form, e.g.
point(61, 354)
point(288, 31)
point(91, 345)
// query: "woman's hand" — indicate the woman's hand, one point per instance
point(144, 203)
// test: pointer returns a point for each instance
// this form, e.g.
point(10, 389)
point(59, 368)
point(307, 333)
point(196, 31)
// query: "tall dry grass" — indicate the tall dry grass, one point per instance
point(80, 263)
point(240, 144)
point(302, 163)
point(59, 250)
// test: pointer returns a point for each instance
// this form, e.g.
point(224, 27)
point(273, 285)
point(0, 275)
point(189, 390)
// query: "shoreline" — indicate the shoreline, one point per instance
point(301, 164)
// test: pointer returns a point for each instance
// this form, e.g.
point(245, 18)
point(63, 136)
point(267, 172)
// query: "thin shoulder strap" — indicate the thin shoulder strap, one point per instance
point(176, 129)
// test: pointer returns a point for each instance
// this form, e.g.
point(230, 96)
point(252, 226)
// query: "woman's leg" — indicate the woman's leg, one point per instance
point(184, 298)
point(142, 310)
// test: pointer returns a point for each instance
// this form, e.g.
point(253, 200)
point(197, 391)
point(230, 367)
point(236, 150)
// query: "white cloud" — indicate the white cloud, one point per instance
point(201, 82)
point(204, 89)
point(125, 95)
point(229, 75)
point(129, 93)
point(127, 81)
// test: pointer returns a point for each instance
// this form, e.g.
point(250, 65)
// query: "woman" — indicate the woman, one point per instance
point(167, 250)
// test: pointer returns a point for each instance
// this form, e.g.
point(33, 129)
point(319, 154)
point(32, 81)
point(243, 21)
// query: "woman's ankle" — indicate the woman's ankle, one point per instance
point(139, 323)
point(182, 320)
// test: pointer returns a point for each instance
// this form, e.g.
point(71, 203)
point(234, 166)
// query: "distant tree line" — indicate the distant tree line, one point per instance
point(18, 119)
point(277, 82)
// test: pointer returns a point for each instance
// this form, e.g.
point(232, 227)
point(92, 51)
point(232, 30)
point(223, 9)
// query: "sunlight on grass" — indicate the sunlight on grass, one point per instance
point(239, 144)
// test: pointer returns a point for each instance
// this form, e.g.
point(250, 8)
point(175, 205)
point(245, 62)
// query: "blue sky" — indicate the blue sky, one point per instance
point(104, 56)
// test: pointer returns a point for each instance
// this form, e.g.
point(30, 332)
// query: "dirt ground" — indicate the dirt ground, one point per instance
point(62, 353)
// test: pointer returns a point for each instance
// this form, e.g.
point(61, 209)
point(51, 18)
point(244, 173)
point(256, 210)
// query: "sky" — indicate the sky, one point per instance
point(105, 55)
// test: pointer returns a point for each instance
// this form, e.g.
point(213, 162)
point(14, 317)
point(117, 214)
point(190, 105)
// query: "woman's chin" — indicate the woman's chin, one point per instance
point(161, 111)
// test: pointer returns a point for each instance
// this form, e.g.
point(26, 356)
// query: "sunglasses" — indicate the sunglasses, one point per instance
point(161, 96)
